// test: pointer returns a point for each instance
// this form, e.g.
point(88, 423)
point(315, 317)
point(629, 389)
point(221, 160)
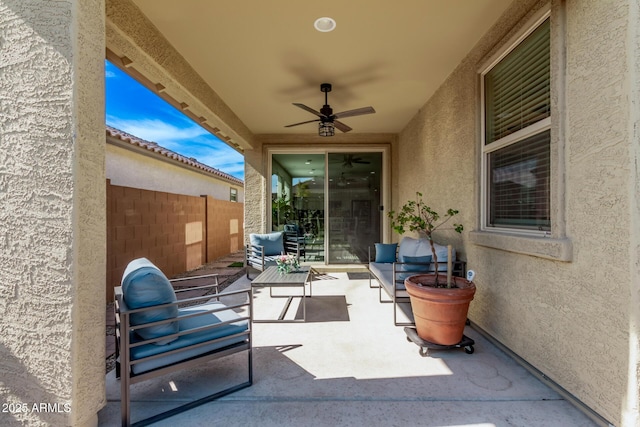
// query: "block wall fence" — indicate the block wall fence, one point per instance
point(174, 231)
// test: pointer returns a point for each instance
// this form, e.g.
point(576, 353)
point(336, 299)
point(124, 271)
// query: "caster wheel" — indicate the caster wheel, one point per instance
point(424, 352)
point(469, 349)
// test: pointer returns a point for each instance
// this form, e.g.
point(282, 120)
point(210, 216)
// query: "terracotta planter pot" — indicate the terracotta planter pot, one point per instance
point(440, 313)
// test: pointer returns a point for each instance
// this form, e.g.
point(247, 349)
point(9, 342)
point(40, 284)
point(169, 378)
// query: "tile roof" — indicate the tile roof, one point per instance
point(154, 147)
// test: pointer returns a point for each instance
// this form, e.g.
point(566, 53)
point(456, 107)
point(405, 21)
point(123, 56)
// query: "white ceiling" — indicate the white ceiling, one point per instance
point(261, 56)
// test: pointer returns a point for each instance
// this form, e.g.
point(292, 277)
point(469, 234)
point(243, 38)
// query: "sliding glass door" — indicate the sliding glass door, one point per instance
point(298, 202)
point(354, 200)
point(329, 202)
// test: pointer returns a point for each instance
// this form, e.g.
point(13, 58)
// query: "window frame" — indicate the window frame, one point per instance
point(232, 194)
point(531, 130)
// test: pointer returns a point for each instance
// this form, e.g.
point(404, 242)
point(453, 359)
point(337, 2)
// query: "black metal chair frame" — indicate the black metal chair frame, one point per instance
point(123, 346)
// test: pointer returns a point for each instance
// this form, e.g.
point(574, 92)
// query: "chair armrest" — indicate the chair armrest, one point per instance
point(459, 268)
point(212, 285)
point(123, 312)
point(293, 248)
point(253, 252)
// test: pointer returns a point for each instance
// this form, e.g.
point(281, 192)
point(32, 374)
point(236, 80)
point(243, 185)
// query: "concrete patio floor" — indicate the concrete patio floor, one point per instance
point(348, 365)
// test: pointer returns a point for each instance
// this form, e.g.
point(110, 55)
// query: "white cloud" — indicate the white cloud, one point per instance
point(109, 74)
point(191, 141)
point(156, 130)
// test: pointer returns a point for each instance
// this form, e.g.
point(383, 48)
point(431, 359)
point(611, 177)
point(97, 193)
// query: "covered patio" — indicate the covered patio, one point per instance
point(550, 204)
point(349, 365)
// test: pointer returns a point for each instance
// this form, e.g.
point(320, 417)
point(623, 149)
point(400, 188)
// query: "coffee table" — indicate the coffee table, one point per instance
point(272, 278)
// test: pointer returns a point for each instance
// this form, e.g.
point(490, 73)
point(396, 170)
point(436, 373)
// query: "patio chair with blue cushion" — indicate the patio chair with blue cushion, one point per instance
point(263, 249)
point(157, 334)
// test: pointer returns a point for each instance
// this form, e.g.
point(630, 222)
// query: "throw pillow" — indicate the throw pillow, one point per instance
point(144, 285)
point(421, 247)
point(386, 252)
point(273, 243)
point(418, 264)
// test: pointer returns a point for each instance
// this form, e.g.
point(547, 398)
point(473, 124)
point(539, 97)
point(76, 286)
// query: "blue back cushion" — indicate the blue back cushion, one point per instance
point(386, 252)
point(421, 247)
point(423, 265)
point(273, 242)
point(144, 285)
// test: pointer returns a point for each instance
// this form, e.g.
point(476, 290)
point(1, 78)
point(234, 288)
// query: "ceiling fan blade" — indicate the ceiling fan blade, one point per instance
point(309, 109)
point(356, 112)
point(341, 126)
point(302, 123)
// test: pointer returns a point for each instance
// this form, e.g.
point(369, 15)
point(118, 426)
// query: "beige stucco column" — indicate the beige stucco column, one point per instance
point(52, 212)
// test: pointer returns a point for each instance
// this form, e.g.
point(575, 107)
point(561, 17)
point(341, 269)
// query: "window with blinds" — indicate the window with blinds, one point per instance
point(517, 89)
point(519, 184)
point(516, 142)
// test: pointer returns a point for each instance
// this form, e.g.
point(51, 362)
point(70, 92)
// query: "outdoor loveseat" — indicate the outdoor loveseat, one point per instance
point(157, 334)
point(263, 249)
point(393, 263)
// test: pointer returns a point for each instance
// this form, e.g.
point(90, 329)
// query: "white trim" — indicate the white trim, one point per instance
point(536, 128)
point(529, 27)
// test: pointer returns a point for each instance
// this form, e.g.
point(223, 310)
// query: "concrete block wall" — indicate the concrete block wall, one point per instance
point(176, 232)
point(225, 222)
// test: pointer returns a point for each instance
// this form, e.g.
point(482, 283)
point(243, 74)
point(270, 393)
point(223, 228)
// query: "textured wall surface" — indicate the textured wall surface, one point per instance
point(124, 167)
point(52, 216)
point(631, 408)
point(568, 319)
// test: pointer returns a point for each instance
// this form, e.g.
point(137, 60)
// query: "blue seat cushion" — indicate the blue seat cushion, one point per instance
point(273, 243)
point(192, 338)
point(144, 285)
point(384, 273)
point(386, 252)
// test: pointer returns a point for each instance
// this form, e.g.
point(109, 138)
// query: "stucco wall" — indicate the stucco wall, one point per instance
point(52, 192)
point(565, 312)
point(131, 169)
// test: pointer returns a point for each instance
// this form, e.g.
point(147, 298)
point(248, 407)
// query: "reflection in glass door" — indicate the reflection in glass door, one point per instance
point(354, 199)
point(297, 201)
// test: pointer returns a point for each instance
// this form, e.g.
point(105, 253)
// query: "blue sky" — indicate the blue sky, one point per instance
point(134, 109)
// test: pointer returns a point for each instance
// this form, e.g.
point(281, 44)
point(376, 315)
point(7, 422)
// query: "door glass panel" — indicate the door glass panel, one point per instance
point(354, 199)
point(297, 201)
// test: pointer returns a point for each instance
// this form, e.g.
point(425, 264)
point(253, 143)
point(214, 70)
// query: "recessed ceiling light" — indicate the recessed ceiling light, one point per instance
point(325, 24)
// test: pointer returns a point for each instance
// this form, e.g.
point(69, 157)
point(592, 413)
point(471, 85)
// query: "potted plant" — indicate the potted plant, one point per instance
point(439, 306)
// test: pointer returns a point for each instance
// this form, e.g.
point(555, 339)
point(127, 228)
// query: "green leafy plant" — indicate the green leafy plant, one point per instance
point(282, 210)
point(416, 215)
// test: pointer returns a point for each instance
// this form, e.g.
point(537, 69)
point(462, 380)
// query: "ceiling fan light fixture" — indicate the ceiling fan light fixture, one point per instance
point(325, 24)
point(326, 129)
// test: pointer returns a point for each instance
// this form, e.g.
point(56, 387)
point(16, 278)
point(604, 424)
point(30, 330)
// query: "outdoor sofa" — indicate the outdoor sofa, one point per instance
point(393, 263)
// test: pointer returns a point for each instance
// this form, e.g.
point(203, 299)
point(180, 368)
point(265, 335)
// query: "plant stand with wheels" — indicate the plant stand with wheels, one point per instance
point(412, 336)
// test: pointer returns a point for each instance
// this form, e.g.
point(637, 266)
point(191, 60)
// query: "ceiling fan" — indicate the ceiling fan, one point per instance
point(350, 159)
point(327, 119)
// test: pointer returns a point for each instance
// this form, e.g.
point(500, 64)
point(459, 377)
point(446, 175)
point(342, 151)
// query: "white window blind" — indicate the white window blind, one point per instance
point(519, 187)
point(517, 96)
point(518, 88)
